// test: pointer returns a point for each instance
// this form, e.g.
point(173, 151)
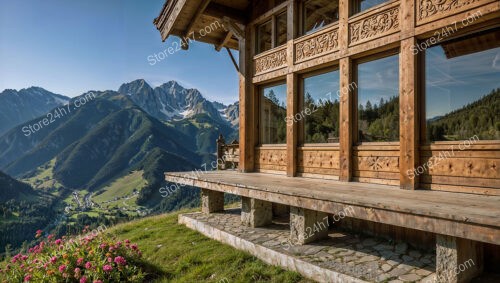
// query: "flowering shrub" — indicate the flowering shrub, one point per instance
point(90, 259)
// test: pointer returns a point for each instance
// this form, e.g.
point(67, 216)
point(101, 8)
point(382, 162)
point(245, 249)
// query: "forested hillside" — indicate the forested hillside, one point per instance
point(480, 118)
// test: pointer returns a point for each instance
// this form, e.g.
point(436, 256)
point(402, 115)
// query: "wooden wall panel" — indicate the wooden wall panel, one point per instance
point(270, 158)
point(376, 163)
point(430, 10)
point(324, 161)
point(454, 167)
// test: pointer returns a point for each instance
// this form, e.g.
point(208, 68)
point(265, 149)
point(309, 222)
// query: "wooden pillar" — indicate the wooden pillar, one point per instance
point(307, 226)
point(409, 130)
point(346, 95)
point(247, 100)
point(211, 201)
point(346, 120)
point(256, 213)
point(292, 93)
point(457, 260)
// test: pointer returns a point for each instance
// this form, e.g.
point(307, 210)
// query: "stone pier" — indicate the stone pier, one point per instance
point(457, 260)
point(256, 213)
point(211, 201)
point(307, 226)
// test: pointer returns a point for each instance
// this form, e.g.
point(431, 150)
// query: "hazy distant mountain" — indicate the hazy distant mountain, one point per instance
point(232, 114)
point(17, 107)
point(94, 144)
point(170, 101)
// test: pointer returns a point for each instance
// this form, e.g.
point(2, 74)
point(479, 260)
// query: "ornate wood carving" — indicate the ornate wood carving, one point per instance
point(373, 26)
point(378, 163)
point(428, 8)
point(271, 61)
point(319, 44)
point(319, 159)
point(271, 156)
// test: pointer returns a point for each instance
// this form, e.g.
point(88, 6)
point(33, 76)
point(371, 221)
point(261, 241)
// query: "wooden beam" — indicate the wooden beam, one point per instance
point(193, 21)
point(247, 103)
point(234, 27)
point(232, 59)
point(346, 120)
point(228, 36)
point(291, 94)
point(220, 11)
point(408, 116)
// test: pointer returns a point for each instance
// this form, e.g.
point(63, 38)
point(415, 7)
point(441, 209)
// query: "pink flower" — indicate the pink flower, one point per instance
point(110, 260)
point(27, 278)
point(133, 246)
point(78, 272)
point(88, 265)
point(127, 241)
point(120, 260)
point(62, 268)
point(107, 268)
point(102, 246)
point(24, 257)
point(58, 242)
point(53, 259)
point(79, 261)
point(83, 279)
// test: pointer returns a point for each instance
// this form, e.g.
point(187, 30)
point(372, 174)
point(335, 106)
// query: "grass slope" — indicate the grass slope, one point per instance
point(179, 254)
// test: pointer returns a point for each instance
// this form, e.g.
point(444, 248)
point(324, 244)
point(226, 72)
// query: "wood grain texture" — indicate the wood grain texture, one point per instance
point(466, 216)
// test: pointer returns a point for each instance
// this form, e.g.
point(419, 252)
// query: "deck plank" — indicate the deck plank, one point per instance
point(443, 212)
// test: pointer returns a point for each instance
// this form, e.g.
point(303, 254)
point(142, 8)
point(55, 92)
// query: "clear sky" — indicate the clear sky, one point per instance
point(69, 47)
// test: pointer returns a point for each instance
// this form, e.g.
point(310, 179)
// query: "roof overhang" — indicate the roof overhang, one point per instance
point(216, 22)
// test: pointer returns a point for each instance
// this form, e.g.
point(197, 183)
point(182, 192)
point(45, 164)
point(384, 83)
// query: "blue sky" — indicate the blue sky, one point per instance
point(69, 47)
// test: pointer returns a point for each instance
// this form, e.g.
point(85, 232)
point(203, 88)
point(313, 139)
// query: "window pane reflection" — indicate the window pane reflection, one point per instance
point(378, 100)
point(273, 115)
point(462, 86)
point(264, 37)
point(321, 108)
point(319, 13)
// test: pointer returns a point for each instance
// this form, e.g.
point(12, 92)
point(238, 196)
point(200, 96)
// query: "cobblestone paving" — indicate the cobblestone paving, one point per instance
point(368, 258)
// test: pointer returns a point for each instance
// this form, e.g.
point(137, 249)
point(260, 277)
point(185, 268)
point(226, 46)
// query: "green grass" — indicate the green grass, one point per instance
point(178, 254)
point(44, 178)
point(122, 187)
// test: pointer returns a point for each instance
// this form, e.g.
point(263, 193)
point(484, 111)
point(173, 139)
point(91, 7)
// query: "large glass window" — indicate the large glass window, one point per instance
point(264, 36)
point(462, 86)
point(273, 115)
point(361, 5)
point(319, 13)
point(378, 100)
point(281, 29)
point(320, 110)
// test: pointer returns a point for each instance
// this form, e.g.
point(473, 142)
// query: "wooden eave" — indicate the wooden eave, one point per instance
point(183, 17)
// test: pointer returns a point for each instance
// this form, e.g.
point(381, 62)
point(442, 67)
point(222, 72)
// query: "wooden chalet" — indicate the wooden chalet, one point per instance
point(404, 128)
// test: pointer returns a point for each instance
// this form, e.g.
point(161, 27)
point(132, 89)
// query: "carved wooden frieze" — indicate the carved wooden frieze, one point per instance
point(270, 62)
point(374, 26)
point(274, 156)
point(320, 44)
point(319, 159)
point(428, 8)
point(378, 163)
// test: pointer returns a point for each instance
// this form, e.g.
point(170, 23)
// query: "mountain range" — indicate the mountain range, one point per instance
point(86, 148)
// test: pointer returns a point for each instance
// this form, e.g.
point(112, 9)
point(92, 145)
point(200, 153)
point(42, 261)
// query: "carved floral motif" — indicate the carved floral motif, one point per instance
point(271, 61)
point(320, 44)
point(377, 163)
point(375, 25)
point(427, 8)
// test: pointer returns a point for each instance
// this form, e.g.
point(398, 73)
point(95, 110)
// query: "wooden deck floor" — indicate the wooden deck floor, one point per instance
point(475, 217)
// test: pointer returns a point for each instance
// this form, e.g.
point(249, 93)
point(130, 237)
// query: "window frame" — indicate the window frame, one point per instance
point(260, 94)
point(274, 29)
point(355, 98)
point(300, 106)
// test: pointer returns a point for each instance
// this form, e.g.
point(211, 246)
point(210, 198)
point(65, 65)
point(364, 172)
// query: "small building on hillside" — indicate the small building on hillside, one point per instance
point(386, 109)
